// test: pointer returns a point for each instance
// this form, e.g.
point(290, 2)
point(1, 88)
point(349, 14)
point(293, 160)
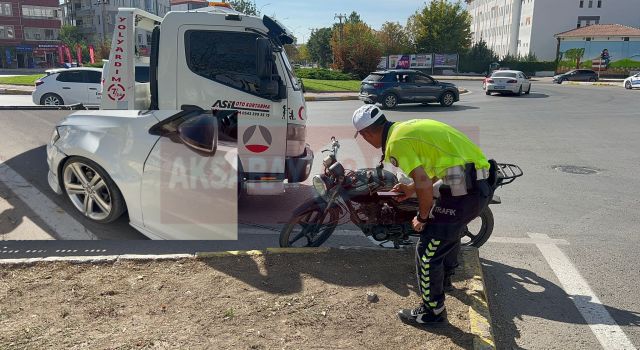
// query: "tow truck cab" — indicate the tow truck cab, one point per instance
point(218, 59)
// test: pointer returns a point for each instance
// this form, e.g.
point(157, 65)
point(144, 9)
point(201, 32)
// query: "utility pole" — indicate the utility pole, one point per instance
point(340, 17)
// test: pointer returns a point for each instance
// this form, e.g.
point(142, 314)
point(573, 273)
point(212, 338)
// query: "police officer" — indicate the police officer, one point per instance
point(428, 151)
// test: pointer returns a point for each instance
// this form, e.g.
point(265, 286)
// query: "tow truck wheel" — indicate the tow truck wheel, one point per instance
point(51, 100)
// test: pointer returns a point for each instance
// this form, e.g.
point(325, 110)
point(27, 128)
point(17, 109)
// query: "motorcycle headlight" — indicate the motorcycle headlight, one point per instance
point(320, 185)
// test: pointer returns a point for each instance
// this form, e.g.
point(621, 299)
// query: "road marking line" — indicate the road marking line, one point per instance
point(603, 326)
point(64, 225)
point(525, 240)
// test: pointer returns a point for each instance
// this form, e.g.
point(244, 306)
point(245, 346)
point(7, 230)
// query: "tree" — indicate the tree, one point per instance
point(303, 53)
point(358, 51)
point(245, 6)
point(478, 58)
point(354, 17)
point(393, 39)
point(70, 35)
point(574, 55)
point(441, 27)
point(319, 46)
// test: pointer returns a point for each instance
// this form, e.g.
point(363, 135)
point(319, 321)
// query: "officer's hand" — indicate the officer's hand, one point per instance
point(407, 190)
point(417, 225)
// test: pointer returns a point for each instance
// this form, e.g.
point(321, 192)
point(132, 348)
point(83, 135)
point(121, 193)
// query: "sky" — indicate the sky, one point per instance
point(300, 16)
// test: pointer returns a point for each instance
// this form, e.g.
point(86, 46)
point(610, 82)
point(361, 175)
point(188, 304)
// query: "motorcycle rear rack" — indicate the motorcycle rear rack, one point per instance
point(507, 173)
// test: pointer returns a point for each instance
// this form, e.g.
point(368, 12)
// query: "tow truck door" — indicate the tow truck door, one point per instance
point(216, 69)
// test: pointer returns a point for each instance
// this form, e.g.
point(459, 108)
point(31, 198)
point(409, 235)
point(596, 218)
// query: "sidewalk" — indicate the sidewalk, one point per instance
point(281, 298)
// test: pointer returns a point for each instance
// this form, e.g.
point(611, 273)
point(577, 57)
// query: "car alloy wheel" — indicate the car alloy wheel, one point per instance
point(520, 91)
point(390, 101)
point(87, 190)
point(627, 85)
point(52, 100)
point(447, 99)
point(592, 80)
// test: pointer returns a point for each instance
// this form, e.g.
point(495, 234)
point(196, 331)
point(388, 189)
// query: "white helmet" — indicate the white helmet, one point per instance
point(366, 116)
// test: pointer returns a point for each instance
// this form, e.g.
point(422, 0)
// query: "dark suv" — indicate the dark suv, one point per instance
point(576, 75)
point(393, 87)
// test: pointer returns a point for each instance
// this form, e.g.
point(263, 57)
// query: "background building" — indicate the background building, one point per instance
point(186, 5)
point(622, 43)
point(521, 27)
point(96, 18)
point(29, 33)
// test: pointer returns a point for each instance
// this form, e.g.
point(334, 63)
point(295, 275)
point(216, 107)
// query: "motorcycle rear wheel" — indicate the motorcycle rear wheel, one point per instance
point(309, 227)
point(478, 231)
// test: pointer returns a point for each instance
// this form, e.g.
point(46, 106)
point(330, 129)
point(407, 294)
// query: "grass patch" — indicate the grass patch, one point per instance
point(314, 85)
point(21, 80)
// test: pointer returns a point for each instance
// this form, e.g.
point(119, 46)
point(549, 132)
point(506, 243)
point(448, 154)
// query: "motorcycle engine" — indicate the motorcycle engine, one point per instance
point(382, 222)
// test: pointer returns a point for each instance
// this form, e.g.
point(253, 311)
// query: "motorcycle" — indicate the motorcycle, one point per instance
point(354, 193)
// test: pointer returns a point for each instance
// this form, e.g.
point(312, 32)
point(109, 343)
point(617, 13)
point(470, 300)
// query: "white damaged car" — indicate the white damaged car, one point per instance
point(632, 82)
point(173, 172)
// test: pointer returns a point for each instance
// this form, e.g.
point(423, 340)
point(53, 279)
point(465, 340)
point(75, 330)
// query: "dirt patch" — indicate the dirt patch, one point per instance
point(273, 301)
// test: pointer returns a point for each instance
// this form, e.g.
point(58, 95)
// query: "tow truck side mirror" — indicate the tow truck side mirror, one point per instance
point(270, 84)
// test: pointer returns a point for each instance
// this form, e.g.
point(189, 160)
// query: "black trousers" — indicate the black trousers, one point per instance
point(439, 244)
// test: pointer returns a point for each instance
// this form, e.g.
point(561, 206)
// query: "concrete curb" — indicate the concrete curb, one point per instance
point(593, 84)
point(479, 316)
point(14, 92)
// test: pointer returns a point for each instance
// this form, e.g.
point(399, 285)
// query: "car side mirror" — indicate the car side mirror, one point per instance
point(200, 133)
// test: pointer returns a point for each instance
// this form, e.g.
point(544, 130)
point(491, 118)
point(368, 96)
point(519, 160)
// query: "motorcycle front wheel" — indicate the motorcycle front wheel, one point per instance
point(478, 231)
point(309, 228)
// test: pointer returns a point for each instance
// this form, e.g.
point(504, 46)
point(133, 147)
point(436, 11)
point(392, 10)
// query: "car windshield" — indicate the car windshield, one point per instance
point(504, 75)
point(374, 77)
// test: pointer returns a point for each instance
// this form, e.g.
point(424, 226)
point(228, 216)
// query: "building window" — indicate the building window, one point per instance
point(599, 3)
point(6, 32)
point(41, 33)
point(588, 20)
point(626, 38)
point(40, 12)
point(5, 9)
point(590, 3)
point(581, 3)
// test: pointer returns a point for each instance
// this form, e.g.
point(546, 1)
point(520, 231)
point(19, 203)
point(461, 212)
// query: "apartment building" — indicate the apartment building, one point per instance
point(521, 27)
point(96, 18)
point(29, 33)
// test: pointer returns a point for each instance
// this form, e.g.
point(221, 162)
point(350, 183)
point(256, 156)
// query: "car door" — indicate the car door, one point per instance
point(428, 89)
point(406, 87)
point(188, 193)
point(71, 86)
point(635, 80)
point(573, 76)
point(92, 80)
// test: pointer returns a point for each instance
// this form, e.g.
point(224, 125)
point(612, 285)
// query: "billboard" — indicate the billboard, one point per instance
point(421, 60)
point(399, 61)
point(445, 60)
point(382, 63)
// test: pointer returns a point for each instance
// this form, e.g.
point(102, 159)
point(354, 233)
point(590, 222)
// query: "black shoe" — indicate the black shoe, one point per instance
point(423, 316)
point(448, 286)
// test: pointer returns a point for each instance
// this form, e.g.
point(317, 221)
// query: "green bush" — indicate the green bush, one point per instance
point(625, 63)
point(95, 65)
point(323, 74)
point(529, 67)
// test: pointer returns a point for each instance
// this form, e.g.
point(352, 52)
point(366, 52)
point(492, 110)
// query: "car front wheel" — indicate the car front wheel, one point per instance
point(592, 80)
point(389, 101)
point(627, 85)
point(91, 190)
point(447, 99)
point(51, 100)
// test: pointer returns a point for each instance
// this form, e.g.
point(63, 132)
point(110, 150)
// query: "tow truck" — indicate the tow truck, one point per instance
point(218, 59)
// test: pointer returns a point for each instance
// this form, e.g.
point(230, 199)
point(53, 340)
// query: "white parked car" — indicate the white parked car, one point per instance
point(508, 81)
point(69, 86)
point(632, 82)
point(174, 172)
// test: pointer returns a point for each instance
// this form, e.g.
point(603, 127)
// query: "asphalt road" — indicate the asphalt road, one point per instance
point(537, 291)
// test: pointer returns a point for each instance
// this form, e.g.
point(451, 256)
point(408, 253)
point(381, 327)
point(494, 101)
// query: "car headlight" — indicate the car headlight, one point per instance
point(55, 136)
point(320, 185)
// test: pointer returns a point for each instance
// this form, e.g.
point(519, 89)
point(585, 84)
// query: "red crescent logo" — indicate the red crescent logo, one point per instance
point(300, 113)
